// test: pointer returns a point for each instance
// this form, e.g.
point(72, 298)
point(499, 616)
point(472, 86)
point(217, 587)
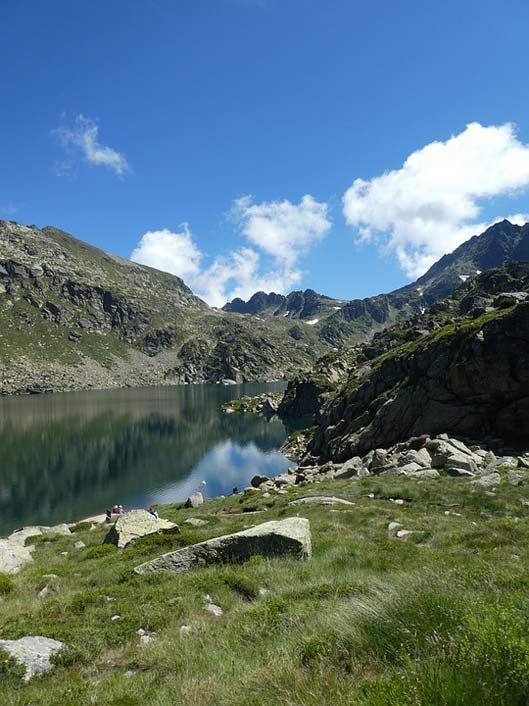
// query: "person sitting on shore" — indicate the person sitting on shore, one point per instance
point(115, 509)
point(109, 516)
point(121, 510)
point(153, 512)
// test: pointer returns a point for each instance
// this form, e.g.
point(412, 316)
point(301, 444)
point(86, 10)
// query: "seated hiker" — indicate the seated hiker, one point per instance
point(115, 510)
point(109, 515)
point(153, 512)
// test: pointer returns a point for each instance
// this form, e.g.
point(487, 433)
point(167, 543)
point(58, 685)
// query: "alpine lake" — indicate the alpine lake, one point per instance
point(66, 456)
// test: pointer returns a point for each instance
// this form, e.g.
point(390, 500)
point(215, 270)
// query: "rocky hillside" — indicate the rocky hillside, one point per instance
point(73, 316)
point(460, 367)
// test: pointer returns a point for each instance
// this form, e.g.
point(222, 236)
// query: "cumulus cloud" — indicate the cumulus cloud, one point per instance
point(280, 232)
point(169, 251)
point(283, 229)
point(83, 136)
point(433, 203)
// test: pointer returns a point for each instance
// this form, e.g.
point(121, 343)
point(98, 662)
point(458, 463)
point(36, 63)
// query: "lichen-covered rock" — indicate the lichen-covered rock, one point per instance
point(135, 524)
point(290, 537)
point(33, 652)
point(320, 500)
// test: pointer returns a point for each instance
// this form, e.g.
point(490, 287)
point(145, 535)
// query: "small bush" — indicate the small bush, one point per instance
point(6, 584)
point(100, 550)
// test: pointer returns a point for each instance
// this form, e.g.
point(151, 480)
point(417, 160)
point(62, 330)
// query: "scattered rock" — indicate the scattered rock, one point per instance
point(33, 652)
point(393, 528)
point(258, 479)
point(353, 467)
point(13, 556)
point(488, 481)
point(215, 610)
point(195, 522)
point(290, 537)
point(43, 592)
point(79, 544)
point(135, 524)
point(320, 500)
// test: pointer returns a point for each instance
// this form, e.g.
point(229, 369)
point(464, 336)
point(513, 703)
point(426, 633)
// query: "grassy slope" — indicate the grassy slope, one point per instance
point(440, 620)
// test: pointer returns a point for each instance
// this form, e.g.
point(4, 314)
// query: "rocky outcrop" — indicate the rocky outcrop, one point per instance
point(136, 524)
point(290, 537)
point(33, 652)
point(471, 380)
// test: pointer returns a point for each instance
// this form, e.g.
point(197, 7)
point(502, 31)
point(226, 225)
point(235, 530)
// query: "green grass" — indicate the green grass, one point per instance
point(440, 620)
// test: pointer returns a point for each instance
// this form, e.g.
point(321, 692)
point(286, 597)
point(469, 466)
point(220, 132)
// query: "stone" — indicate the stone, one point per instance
point(523, 461)
point(379, 458)
point(421, 458)
point(393, 528)
point(459, 473)
point(135, 524)
point(215, 610)
point(195, 522)
point(79, 544)
point(353, 467)
point(43, 592)
point(258, 479)
point(194, 500)
point(185, 629)
point(488, 481)
point(409, 468)
point(404, 534)
point(289, 537)
point(13, 556)
point(33, 652)
point(426, 474)
point(320, 500)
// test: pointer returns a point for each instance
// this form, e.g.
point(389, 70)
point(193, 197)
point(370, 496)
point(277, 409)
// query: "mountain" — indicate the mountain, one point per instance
point(340, 323)
point(73, 316)
point(462, 367)
point(307, 305)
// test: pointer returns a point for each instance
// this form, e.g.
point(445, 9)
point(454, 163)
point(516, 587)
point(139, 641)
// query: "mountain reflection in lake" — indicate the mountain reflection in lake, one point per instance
point(66, 456)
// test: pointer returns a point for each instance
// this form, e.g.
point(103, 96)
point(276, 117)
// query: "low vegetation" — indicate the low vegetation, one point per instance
point(438, 619)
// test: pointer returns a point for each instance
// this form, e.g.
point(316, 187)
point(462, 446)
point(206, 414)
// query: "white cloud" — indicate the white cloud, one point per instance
point(84, 136)
point(283, 232)
point(433, 202)
point(170, 252)
point(283, 229)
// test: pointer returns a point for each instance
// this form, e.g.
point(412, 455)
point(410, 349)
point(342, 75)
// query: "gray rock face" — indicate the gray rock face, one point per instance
point(194, 500)
point(290, 537)
point(258, 479)
point(470, 382)
point(34, 653)
point(135, 524)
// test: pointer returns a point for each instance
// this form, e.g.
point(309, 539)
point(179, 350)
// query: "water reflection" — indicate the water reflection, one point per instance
point(67, 456)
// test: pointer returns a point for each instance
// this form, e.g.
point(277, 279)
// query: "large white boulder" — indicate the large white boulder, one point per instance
point(135, 524)
point(290, 537)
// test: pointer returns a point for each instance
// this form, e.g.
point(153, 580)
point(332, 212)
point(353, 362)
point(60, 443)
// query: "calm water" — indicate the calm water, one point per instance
point(66, 456)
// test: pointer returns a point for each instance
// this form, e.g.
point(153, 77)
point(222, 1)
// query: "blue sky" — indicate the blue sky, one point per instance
point(126, 117)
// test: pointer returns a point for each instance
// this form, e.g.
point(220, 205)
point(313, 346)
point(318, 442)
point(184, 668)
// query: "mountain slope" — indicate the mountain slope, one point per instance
point(73, 316)
point(460, 367)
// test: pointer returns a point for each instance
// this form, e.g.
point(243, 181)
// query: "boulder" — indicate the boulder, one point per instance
point(135, 524)
point(34, 653)
point(488, 481)
point(426, 474)
point(459, 472)
point(421, 458)
point(290, 537)
point(258, 479)
point(353, 467)
point(13, 556)
point(194, 500)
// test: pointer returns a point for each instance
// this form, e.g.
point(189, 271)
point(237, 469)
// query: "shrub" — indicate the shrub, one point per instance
point(100, 550)
point(6, 584)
